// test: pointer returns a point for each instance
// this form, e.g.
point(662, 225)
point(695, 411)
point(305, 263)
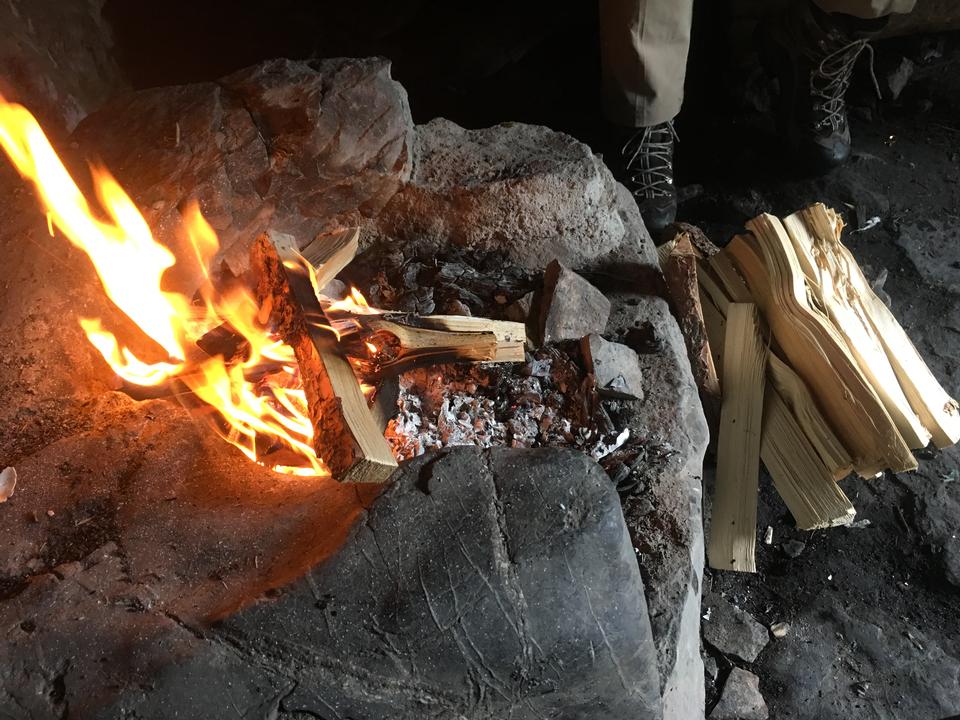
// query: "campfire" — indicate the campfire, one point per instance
point(289, 375)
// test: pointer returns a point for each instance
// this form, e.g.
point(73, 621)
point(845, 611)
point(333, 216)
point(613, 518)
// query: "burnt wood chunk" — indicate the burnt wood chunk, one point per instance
point(345, 434)
point(571, 306)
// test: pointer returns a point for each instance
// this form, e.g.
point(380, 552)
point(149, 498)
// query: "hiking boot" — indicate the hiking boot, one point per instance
point(647, 160)
point(813, 54)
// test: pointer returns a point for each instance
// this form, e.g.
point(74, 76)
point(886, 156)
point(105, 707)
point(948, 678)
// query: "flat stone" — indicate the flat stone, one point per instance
point(731, 630)
point(571, 307)
point(741, 698)
point(615, 367)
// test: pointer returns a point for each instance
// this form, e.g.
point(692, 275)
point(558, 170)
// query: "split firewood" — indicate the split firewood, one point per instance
point(733, 526)
point(816, 349)
point(346, 435)
point(679, 267)
point(828, 279)
point(800, 476)
point(938, 413)
point(721, 284)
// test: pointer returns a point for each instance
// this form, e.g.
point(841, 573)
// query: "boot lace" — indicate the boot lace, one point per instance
point(829, 83)
point(649, 160)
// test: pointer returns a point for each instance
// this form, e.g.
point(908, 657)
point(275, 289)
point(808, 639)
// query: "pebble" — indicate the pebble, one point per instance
point(8, 483)
point(731, 630)
point(741, 698)
point(793, 548)
point(780, 629)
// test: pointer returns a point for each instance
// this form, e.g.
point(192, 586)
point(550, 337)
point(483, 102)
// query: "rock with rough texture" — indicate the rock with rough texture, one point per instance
point(56, 57)
point(731, 630)
point(571, 307)
point(741, 698)
point(615, 367)
point(296, 147)
point(481, 584)
point(525, 191)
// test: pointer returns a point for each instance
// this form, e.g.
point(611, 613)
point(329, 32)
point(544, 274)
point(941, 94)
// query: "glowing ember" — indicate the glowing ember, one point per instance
point(258, 415)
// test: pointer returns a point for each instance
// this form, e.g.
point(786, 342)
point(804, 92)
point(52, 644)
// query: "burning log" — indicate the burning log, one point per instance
point(346, 435)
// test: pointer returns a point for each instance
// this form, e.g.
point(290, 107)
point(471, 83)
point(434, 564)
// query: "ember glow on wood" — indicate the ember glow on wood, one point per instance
point(345, 433)
point(733, 527)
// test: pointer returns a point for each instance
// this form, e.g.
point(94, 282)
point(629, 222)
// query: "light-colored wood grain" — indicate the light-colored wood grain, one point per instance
point(828, 278)
point(733, 527)
point(938, 412)
point(817, 352)
point(800, 477)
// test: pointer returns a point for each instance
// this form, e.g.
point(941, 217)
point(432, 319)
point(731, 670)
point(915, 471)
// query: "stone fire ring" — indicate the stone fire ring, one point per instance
point(149, 571)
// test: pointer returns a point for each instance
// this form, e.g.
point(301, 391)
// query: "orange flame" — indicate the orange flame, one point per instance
point(267, 413)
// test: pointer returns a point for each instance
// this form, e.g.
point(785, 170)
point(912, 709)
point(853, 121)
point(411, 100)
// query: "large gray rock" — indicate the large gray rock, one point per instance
point(525, 191)
point(298, 147)
point(56, 57)
point(482, 584)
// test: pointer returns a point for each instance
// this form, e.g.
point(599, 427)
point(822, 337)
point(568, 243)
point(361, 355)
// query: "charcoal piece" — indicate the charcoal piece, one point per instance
point(502, 574)
point(571, 306)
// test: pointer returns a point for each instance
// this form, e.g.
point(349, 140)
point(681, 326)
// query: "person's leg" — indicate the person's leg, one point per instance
point(812, 48)
point(644, 46)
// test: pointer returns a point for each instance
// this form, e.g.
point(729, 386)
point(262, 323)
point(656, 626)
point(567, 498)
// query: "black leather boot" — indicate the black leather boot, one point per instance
point(647, 162)
point(813, 54)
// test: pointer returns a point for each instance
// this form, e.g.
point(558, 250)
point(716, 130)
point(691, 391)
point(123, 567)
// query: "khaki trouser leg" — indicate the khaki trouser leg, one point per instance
point(866, 8)
point(644, 47)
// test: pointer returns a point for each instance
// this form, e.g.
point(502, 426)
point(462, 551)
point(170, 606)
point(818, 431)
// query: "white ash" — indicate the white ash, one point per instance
point(543, 402)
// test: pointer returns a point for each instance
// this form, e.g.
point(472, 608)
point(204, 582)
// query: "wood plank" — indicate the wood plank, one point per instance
point(816, 350)
point(733, 527)
point(938, 411)
point(511, 336)
point(831, 286)
point(346, 435)
point(801, 478)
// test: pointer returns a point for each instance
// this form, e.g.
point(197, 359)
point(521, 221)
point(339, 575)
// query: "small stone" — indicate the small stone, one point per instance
point(780, 629)
point(50, 513)
point(741, 698)
point(768, 536)
point(793, 548)
point(519, 310)
point(731, 630)
point(898, 79)
point(572, 307)
point(615, 368)
point(8, 483)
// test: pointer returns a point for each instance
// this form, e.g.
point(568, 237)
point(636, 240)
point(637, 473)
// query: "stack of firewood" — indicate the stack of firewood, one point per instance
point(810, 370)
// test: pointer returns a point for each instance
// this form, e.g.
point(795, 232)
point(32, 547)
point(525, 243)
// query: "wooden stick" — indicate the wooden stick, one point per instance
point(679, 268)
point(423, 345)
point(830, 284)
point(816, 350)
point(802, 480)
point(939, 413)
point(345, 434)
point(511, 337)
point(733, 527)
